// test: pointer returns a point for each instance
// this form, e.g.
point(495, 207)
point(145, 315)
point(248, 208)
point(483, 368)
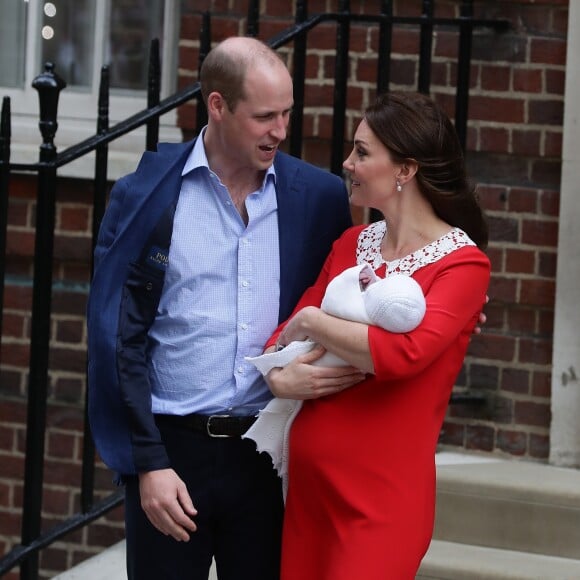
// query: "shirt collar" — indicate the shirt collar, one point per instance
point(198, 158)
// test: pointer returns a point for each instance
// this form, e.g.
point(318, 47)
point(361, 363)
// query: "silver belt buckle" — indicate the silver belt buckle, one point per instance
point(208, 426)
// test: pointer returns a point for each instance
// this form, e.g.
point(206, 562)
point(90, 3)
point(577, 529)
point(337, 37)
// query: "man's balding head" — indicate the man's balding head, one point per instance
point(225, 67)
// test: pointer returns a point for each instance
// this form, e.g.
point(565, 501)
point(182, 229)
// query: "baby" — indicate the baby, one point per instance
point(395, 303)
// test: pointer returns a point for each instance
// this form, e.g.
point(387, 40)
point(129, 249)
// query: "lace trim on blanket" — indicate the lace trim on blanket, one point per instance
point(369, 249)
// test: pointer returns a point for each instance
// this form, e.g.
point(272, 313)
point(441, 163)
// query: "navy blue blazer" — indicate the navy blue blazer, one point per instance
point(130, 260)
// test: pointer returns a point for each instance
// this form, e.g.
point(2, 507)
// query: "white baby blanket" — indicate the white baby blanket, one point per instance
point(395, 303)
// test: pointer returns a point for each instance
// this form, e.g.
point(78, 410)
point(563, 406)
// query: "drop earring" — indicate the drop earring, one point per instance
point(399, 186)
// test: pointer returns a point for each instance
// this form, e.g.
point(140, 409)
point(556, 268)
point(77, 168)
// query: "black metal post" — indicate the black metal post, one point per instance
point(204, 48)
point(99, 201)
point(5, 137)
point(340, 88)
point(463, 70)
point(299, 73)
point(48, 84)
point(425, 47)
point(253, 28)
point(153, 92)
point(385, 47)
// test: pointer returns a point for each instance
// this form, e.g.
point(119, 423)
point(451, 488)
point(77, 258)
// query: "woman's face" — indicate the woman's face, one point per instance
point(373, 175)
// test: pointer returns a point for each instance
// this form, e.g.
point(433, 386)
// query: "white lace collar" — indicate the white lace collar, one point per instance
point(369, 249)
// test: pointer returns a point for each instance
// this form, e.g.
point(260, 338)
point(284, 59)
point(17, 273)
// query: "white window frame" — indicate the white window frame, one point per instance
point(77, 110)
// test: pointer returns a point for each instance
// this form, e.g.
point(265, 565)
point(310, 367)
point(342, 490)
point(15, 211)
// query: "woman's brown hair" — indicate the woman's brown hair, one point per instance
point(413, 126)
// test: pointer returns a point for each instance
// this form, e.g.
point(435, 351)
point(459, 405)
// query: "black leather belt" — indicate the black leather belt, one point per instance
point(212, 425)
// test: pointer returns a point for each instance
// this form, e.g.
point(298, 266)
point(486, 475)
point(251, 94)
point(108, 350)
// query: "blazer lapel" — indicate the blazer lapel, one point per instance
point(291, 231)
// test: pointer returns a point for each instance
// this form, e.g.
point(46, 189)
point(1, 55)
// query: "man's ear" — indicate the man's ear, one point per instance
point(215, 105)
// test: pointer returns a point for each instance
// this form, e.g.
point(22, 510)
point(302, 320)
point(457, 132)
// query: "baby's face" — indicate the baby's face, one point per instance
point(364, 278)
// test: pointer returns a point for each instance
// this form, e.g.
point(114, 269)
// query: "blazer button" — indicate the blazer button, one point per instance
point(149, 286)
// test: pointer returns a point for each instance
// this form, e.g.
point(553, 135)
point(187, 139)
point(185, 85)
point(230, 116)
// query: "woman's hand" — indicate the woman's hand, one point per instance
point(300, 379)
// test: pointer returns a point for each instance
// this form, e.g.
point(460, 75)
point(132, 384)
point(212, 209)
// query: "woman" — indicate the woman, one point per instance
point(361, 492)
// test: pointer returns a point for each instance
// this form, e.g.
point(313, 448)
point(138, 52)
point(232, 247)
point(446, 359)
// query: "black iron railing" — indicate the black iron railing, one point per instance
point(49, 86)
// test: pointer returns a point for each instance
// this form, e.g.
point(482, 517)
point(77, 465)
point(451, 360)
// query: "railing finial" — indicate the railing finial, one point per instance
point(48, 84)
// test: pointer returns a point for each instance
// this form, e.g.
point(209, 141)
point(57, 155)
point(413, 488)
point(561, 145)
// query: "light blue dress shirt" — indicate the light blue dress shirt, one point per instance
point(220, 300)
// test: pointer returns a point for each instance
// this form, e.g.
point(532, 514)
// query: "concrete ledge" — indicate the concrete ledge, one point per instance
point(453, 561)
point(108, 565)
point(510, 505)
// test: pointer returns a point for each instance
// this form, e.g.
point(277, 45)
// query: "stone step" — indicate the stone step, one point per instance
point(455, 561)
point(496, 520)
point(509, 505)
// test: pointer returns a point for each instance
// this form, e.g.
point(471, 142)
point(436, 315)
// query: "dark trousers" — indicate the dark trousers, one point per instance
point(239, 501)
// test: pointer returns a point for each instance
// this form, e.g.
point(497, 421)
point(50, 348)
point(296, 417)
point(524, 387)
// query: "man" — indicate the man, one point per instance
point(202, 252)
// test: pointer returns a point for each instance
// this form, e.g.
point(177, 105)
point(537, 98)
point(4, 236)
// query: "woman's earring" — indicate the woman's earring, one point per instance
point(399, 186)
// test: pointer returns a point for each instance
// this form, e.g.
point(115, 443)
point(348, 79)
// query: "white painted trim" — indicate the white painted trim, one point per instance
point(78, 108)
point(565, 427)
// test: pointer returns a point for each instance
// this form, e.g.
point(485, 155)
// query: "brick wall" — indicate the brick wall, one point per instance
point(514, 151)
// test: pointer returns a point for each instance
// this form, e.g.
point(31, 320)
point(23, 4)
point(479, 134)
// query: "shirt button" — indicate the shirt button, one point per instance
point(245, 283)
point(241, 370)
point(244, 326)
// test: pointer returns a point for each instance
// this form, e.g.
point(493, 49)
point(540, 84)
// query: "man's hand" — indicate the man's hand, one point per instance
point(302, 380)
point(165, 500)
point(481, 320)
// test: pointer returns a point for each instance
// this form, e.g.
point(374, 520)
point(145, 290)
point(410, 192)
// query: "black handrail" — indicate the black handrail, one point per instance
point(49, 86)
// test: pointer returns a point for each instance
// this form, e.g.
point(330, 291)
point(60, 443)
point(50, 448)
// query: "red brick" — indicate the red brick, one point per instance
point(537, 292)
point(546, 173)
point(546, 112)
point(7, 438)
point(479, 437)
point(14, 325)
point(515, 380)
point(496, 257)
point(520, 261)
point(494, 347)
point(53, 558)
point(522, 321)
point(539, 446)
point(526, 142)
point(527, 80)
point(406, 41)
point(496, 109)
point(452, 433)
point(535, 351)
point(541, 384)
point(492, 197)
point(540, 232)
point(70, 331)
point(19, 213)
point(503, 289)
point(560, 20)
point(553, 144)
point(61, 445)
point(20, 243)
point(495, 78)
point(555, 81)
point(530, 413)
point(56, 501)
point(503, 229)
point(495, 313)
point(494, 139)
point(548, 51)
point(546, 322)
point(15, 354)
point(550, 203)
point(512, 442)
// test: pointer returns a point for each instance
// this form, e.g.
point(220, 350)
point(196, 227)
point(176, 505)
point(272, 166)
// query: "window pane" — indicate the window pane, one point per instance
point(67, 39)
point(12, 42)
point(134, 23)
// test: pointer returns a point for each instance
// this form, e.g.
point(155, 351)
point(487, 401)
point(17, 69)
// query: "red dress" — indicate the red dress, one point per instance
point(361, 492)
